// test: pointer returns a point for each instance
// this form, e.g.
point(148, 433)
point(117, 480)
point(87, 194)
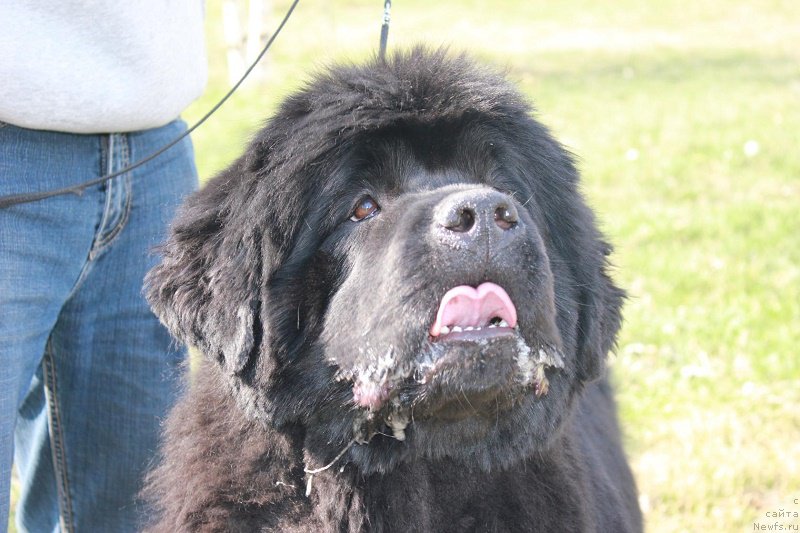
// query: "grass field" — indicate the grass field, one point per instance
point(686, 120)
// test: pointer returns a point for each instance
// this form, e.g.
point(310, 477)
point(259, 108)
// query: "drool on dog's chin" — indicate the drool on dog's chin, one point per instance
point(475, 362)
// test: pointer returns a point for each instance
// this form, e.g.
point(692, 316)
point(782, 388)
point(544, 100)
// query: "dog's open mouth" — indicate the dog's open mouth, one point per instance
point(467, 313)
point(475, 355)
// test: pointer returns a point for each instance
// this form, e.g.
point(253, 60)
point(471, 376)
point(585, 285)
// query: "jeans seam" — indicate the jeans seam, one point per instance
point(125, 182)
point(101, 245)
point(106, 166)
point(103, 242)
point(57, 446)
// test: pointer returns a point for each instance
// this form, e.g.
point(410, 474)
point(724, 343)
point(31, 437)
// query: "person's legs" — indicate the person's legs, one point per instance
point(109, 370)
point(43, 247)
point(127, 369)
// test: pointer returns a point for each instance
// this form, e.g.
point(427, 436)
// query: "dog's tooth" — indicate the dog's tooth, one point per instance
point(456, 329)
point(444, 330)
point(503, 324)
point(478, 328)
point(492, 325)
point(468, 328)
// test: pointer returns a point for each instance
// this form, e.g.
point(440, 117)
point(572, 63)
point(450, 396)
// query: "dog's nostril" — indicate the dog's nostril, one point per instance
point(505, 218)
point(466, 219)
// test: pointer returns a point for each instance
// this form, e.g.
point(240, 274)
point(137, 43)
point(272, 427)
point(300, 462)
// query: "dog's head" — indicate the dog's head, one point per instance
point(401, 258)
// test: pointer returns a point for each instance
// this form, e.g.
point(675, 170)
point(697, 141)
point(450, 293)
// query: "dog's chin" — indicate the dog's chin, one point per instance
point(483, 397)
point(491, 441)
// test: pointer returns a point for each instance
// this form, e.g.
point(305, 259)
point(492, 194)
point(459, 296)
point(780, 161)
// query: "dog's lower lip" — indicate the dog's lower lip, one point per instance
point(475, 334)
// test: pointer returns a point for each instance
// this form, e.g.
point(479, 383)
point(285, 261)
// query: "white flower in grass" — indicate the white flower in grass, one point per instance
point(751, 148)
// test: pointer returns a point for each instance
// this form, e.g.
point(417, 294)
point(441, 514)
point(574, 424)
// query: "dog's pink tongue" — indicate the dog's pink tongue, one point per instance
point(466, 306)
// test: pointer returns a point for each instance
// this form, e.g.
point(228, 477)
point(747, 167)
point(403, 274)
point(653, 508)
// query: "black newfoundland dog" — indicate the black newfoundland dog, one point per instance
point(405, 309)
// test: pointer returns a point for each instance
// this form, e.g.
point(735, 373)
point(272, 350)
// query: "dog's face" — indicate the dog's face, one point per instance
point(401, 259)
point(441, 321)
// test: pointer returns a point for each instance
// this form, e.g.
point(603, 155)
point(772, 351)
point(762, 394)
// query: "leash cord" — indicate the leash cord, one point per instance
point(387, 16)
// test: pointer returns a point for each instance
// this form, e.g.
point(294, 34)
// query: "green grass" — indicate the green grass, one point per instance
point(659, 100)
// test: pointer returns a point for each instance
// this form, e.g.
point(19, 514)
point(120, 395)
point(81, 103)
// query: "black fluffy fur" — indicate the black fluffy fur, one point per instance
point(293, 303)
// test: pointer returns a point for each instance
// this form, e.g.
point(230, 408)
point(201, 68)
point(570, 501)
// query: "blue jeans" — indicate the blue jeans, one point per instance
point(87, 373)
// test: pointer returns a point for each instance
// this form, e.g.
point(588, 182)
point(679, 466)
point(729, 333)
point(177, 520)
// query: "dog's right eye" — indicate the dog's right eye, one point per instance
point(366, 208)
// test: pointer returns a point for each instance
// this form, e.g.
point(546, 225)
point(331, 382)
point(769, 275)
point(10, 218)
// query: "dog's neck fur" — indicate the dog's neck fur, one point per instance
point(422, 496)
point(226, 476)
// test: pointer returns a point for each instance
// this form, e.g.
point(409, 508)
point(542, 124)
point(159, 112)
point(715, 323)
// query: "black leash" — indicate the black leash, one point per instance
point(387, 12)
point(16, 199)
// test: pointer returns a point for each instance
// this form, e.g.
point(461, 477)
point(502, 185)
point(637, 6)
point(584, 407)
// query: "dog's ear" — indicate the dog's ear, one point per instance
point(554, 178)
point(207, 287)
point(600, 315)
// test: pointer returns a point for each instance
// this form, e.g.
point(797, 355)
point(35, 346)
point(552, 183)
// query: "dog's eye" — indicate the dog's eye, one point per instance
point(367, 207)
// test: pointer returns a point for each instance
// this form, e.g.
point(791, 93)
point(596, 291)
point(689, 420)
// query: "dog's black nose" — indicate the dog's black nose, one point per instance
point(474, 213)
